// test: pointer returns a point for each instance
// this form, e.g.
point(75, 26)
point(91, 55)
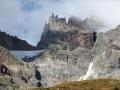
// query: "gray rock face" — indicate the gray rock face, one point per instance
point(68, 43)
point(60, 64)
point(78, 33)
point(17, 72)
point(106, 60)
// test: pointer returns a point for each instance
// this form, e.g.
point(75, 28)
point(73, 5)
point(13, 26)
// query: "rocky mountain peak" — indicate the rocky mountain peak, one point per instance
point(57, 24)
point(74, 31)
point(55, 18)
point(75, 21)
point(61, 24)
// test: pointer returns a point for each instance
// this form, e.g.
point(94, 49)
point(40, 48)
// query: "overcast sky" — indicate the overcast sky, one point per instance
point(26, 18)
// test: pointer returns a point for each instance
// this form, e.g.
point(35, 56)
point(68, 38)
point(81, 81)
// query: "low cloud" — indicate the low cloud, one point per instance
point(26, 18)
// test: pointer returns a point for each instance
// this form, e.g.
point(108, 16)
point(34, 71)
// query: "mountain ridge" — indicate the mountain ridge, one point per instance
point(14, 43)
point(76, 32)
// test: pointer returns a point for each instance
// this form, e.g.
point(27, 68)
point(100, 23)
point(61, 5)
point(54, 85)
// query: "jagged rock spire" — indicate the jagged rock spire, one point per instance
point(75, 31)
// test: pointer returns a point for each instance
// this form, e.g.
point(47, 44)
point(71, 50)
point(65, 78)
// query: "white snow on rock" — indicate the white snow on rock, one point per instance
point(88, 74)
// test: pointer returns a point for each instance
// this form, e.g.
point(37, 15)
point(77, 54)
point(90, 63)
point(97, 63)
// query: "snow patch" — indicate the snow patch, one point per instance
point(89, 73)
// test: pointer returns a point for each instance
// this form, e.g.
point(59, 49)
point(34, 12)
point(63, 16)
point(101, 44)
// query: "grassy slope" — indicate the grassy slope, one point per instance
point(99, 84)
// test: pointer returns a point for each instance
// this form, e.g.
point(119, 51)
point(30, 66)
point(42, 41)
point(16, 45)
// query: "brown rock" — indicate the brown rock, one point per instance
point(14, 43)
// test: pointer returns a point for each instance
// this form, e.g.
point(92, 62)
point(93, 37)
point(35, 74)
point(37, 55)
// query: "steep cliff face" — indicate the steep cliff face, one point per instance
point(16, 72)
point(61, 63)
point(76, 32)
point(106, 60)
point(68, 51)
point(14, 43)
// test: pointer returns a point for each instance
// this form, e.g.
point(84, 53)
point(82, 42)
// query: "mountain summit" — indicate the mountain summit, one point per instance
point(76, 32)
point(68, 49)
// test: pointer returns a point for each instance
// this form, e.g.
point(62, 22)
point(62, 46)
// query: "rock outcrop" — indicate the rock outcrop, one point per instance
point(61, 63)
point(16, 72)
point(14, 43)
point(106, 60)
point(68, 51)
point(76, 32)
